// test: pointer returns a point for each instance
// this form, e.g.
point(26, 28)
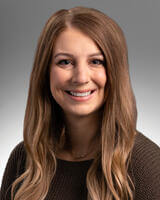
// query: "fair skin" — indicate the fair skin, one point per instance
point(77, 82)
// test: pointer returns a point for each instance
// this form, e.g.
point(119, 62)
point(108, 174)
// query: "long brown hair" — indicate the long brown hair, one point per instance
point(108, 177)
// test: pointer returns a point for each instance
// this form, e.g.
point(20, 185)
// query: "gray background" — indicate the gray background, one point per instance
point(21, 22)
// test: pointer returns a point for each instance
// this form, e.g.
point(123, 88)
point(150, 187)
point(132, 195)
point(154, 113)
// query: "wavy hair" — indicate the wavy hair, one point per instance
point(107, 177)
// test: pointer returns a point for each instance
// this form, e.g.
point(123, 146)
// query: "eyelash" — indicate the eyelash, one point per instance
point(101, 62)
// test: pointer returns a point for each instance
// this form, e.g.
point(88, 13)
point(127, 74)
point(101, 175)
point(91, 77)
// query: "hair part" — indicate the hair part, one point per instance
point(108, 177)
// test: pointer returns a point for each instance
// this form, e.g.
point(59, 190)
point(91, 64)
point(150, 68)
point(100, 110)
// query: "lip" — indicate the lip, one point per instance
point(81, 98)
point(81, 91)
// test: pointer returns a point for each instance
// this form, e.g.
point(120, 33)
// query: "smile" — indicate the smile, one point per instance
point(78, 95)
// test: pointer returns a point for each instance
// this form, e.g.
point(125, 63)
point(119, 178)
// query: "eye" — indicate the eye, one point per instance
point(64, 62)
point(97, 62)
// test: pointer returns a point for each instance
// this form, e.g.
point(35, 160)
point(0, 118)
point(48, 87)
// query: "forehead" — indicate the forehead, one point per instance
point(74, 41)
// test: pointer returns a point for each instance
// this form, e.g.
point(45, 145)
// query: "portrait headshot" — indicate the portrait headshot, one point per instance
point(89, 99)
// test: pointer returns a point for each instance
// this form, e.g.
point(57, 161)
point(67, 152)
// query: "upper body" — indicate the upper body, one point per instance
point(70, 180)
point(81, 109)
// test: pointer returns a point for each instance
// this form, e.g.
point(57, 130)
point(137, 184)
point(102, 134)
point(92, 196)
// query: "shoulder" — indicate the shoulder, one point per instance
point(14, 168)
point(17, 156)
point(145, 150)
point(18, 149)
point(145, 163)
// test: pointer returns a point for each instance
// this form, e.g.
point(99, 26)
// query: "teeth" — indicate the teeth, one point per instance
point(77, 94)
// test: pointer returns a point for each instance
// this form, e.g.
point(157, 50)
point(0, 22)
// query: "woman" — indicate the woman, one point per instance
point(80, 137)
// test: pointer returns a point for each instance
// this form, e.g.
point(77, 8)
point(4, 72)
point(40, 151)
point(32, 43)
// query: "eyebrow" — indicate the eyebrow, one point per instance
point(68, 54)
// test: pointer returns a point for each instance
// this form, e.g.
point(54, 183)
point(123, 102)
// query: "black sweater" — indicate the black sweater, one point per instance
point(69, 183)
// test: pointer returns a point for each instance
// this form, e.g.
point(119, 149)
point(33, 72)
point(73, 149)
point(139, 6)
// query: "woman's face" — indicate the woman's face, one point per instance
point(77, 76)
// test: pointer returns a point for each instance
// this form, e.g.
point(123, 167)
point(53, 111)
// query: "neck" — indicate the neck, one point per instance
point(82, 132)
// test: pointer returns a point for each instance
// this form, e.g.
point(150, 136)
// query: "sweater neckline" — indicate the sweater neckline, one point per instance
point(69, 162)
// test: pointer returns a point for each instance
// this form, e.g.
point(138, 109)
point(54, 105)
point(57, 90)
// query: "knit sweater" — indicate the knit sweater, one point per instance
point(69, 182)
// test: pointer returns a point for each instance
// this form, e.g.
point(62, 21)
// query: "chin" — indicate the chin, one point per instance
point(81, 112)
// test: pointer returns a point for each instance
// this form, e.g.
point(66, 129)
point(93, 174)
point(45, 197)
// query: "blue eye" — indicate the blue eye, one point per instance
point(98, 62)
point(64, 62)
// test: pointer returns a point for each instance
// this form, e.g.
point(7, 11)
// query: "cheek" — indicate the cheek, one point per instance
point(55, 82)
point(56, 78)
point(58, 82)
point(101, 78)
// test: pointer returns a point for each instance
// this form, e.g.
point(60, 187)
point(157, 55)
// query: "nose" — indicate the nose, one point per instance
point(81, 74)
